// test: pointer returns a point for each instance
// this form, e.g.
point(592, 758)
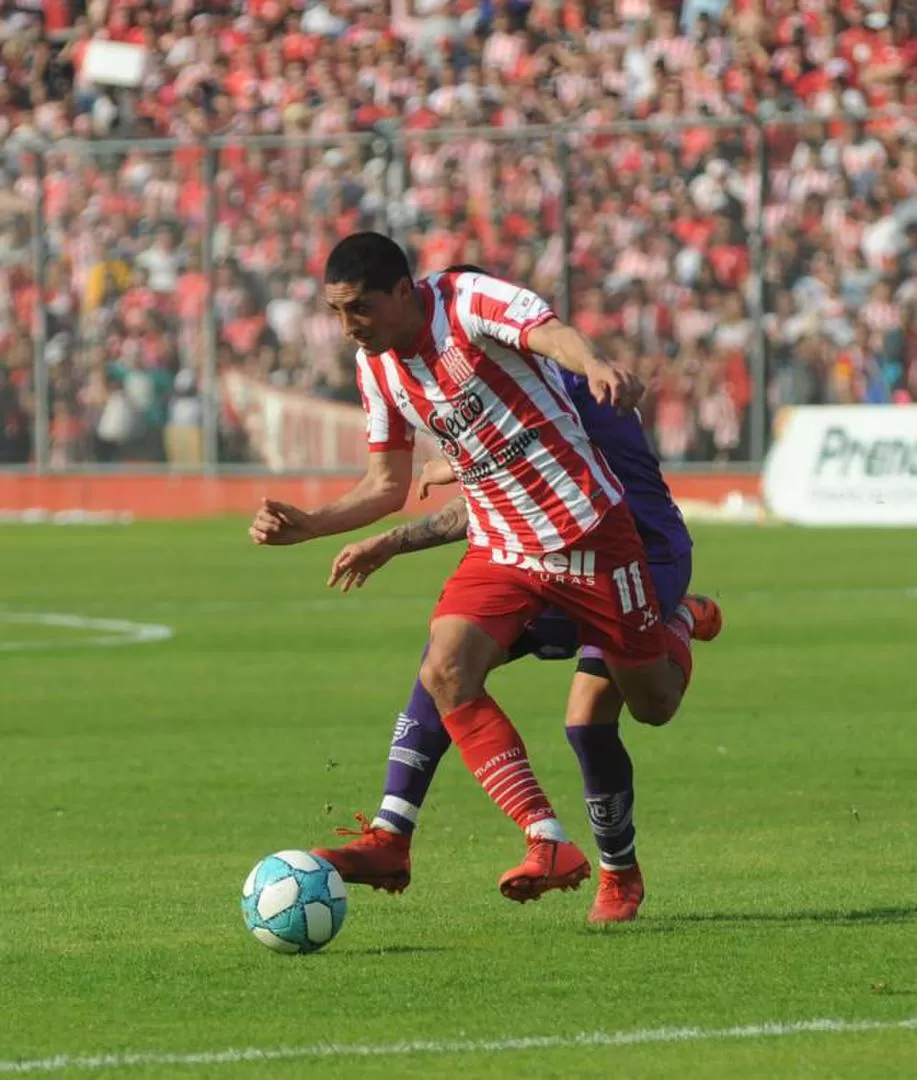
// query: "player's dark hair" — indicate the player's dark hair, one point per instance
point(368, 259)
point(467, 268)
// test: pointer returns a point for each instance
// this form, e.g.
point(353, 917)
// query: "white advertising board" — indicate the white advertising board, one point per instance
point(845, 465)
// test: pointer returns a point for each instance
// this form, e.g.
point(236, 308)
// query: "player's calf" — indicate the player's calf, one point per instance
point(460, 656)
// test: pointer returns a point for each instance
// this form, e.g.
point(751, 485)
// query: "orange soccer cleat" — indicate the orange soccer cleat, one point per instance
point(708, 616)
point(548, 864)
point(377, 857)
point(619, 897)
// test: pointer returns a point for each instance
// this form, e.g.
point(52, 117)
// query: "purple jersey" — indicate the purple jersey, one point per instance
point(623, 442)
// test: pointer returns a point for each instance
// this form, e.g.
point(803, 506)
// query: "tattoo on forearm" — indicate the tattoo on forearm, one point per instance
point(444, 527)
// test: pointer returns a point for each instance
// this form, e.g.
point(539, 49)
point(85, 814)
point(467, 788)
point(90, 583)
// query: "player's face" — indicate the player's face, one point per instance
point(371, 318)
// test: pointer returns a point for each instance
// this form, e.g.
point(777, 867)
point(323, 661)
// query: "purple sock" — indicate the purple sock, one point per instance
point(608, 785)
point(419, 741)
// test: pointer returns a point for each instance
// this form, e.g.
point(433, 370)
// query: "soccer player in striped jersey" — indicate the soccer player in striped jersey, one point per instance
point(380, 856)
point(468, 358)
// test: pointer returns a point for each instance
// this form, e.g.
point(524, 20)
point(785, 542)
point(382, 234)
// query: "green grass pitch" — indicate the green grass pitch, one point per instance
point(777, 821)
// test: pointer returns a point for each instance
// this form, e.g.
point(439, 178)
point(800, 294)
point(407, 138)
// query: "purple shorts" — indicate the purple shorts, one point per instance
point(553, 636)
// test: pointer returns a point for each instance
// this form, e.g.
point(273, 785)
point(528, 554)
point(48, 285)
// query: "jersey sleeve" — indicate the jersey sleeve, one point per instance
point(386, 428)
point(495, 309)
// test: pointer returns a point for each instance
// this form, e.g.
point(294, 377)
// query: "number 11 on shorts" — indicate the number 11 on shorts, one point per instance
point(629, 581)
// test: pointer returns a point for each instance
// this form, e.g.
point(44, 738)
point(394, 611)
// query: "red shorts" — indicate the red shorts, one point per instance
point(603, 584)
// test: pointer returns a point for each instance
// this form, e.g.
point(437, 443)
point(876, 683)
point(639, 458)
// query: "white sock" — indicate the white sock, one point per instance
point(382, 823)
point(684, 613)
point(393, 806)
point(546, 829)
point(619, 860)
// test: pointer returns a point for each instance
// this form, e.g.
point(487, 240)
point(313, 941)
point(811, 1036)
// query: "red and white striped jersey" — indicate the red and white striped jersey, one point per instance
point(531, 478)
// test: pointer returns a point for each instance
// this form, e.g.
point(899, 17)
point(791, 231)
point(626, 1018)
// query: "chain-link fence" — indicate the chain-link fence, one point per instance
point(160, 302)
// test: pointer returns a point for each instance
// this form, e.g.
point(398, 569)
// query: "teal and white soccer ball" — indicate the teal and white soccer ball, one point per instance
point(294, 902)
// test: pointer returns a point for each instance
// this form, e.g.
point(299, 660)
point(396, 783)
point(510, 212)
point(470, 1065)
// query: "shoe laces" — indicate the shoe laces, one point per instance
point(366, 830)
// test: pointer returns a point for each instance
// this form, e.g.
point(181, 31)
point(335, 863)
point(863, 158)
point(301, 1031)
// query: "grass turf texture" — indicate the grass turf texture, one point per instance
point(138, 785)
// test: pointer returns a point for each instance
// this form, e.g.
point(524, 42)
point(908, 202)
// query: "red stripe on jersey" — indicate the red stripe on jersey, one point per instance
point(565, 404)
point(386, 428)
point(491, 438)
point(580, 473)
point(505, 388)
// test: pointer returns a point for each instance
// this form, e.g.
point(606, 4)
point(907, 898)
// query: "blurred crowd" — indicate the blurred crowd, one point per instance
point(428, 119)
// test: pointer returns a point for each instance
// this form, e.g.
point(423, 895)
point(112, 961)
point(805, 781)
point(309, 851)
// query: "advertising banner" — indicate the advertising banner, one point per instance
point(844, 465)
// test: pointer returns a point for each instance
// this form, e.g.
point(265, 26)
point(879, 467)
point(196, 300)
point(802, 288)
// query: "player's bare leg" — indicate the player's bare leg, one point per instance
point(459, 659)
point(653, 691)
point(593, 711)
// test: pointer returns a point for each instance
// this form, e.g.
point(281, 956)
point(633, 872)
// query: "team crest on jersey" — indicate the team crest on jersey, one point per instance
point(457, 365)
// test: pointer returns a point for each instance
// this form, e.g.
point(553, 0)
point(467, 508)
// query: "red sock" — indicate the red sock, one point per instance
point(496, 756)
point(678, 640)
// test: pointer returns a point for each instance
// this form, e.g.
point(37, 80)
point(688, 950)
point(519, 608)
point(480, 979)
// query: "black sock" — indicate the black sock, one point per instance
point(608, 786)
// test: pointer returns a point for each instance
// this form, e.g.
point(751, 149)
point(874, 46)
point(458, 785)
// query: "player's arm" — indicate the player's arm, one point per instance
point(354, 563)
point(446, 526)
point(565, 345)
point(520, 319)
point(382, 491)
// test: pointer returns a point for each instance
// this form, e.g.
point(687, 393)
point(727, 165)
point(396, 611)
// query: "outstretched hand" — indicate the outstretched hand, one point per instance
point(354, 563)
point(281, 523)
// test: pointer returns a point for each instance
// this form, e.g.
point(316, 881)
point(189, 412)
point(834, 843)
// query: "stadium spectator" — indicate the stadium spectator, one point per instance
point(663, 221)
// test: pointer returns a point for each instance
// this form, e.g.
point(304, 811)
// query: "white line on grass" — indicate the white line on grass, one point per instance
point(114, 631)
point(458, 1046)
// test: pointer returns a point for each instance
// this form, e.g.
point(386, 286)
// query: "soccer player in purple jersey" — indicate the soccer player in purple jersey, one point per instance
point(380, 856)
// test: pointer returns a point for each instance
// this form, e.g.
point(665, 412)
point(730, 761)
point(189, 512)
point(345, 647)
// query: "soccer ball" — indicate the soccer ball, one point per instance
point(294, 902)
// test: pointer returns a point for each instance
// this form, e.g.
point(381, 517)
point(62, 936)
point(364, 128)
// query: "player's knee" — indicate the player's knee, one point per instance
point(446, 681)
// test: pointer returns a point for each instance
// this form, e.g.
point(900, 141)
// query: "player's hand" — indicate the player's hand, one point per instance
point(434, 474)
point(614, 385)
point(353, 564)
point(281, 523)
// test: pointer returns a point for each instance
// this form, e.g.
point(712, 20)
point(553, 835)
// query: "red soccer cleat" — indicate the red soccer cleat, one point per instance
point(619, 897)
point(377, 857)
point(548, 864)
point(708, 616)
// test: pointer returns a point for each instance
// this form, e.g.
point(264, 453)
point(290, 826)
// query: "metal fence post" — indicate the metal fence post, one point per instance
point(756, 243)
point(396, 185)
point(41, 431)
point(566, 279)
point(210, 388)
